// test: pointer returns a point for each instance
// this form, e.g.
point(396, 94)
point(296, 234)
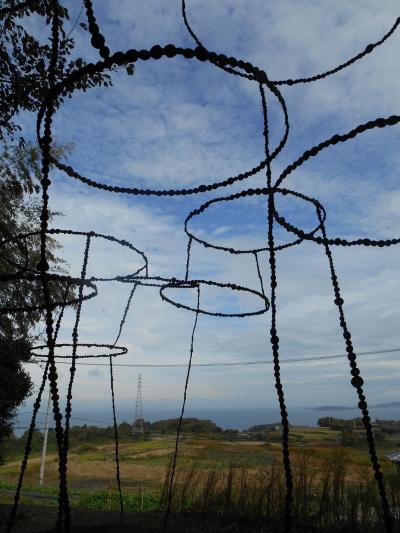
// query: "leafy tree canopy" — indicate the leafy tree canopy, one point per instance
point(20, 214)
point(24, 61)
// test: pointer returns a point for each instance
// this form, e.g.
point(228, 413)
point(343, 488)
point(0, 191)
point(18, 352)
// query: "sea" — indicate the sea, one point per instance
point(227, 418)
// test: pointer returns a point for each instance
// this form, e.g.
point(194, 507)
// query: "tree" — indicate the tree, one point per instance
point(24, 62)
point(20, 213)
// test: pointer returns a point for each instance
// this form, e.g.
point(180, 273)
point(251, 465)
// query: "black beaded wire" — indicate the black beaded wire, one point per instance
point(201, 45)
point(68, 407)
point(58, 231)
point(31, 274)
point(116, 438)
point(368, 49)
point(67, 85)
point(251, 192)
point(44, 267)
point(337, 241)
point(32, 425)
point(316, 77)
point(110, 238)
point(357, 382)
point(335, 139)
point(178, 432)
point(196, 283)
point(98, 41)
point(274, 332)
point(118, 350)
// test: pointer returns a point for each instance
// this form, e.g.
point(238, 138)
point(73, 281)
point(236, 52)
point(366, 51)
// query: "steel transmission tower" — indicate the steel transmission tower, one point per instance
point(138, 425)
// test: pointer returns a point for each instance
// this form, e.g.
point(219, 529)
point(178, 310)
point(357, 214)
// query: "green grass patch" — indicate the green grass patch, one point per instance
point(106, 500)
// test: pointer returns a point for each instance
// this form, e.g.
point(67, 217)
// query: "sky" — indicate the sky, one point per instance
point(178, 123)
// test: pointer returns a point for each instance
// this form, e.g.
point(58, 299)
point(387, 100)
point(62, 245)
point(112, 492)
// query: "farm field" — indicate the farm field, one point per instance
point(145, 463)
point(207, 468)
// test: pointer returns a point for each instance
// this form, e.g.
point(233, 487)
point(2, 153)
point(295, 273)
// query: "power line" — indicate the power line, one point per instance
point(72, 417)
point(229, 363)
point(78, 418)
point(76, 21)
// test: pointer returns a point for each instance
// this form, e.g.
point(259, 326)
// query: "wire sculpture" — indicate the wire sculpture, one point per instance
point(59, 88)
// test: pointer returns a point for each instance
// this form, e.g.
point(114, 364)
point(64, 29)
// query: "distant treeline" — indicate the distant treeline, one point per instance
point(189, 425)
point(13, 445)
point(262, 428)
point(385, 426)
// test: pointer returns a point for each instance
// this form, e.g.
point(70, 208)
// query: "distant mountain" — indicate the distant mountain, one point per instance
point(387, 405)
point(331, 408)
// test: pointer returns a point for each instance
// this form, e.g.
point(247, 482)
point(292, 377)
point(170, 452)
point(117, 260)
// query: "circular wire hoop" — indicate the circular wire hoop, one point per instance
point(248, 193)
point(51, 278)
point(88, 234)
point(113, 351)
point(71, 83)
point(197, 284)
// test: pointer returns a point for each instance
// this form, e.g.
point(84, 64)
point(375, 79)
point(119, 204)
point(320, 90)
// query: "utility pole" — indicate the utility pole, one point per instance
point(46, 433)
point(138, 425)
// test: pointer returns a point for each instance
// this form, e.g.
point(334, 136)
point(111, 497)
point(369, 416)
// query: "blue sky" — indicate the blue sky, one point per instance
point(177, 123)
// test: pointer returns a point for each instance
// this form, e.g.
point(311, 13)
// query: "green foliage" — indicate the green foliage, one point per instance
point(130, 69)
point(352, 439)
point(20, 211)
point(19, 214)
point(107, 500)
point(189, 425)
point(13, 447)
point(390, 427)
point(264, 427)
point(340, 423)
point(24, 61)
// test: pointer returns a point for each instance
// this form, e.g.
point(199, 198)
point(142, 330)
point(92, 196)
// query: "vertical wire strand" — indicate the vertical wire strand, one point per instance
point(32, 425)
point(68, 407)
point(116, 436)
point(273, 331)
point(357, 382)
point(189, 249)
point(46, 142)
point(259, 273)
point(27, 451)
point(178, 432)
point(98, 40)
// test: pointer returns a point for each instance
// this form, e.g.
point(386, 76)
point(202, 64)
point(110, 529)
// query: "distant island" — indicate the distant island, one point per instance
point(347, 408)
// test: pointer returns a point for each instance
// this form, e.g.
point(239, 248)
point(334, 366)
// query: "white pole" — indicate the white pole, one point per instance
point(46, 433)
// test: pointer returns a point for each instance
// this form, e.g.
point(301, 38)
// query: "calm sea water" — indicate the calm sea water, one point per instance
point(226, 418)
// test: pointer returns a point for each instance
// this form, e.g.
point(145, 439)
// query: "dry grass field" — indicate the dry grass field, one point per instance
point(232, 479)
